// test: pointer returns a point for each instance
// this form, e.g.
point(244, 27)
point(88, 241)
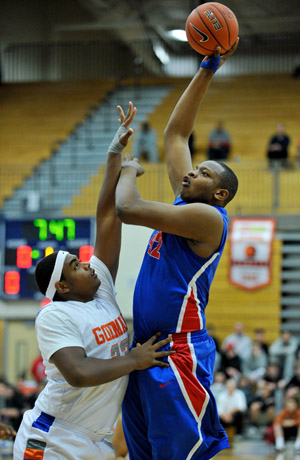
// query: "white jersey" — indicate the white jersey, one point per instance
point(99, 328)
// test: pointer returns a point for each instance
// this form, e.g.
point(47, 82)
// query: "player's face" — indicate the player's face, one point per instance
point(81, 279)
point(200, 184)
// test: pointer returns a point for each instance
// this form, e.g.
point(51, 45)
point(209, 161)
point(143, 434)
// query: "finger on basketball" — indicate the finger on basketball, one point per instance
point(217, 52)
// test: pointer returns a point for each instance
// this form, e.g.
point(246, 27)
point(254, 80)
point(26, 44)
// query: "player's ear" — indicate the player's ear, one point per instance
point(62, 287)
point(221, 194)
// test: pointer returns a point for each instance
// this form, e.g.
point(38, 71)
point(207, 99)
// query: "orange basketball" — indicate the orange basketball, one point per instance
point(210, 25)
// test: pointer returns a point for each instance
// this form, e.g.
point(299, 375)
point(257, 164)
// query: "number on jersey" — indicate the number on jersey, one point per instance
point(154, 245)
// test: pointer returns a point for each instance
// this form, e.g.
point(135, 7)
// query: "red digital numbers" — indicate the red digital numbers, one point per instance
point(24, 256)
point(85, 253)
point(12, 282)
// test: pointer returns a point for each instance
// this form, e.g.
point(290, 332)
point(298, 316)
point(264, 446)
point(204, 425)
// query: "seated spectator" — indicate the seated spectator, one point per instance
point(287, 425)
point(259, 336)
point(283, 351)
point(219, 143)
point(255, 363)
point(145, 144)
point(241, 342)
point(11, 404)
point(277, 151)
point(219, 383)
point(7, 431)
point(273, 377)
point(230, 363)
point(246, 386)
point(232, 406)
point(262, 408)
point(292, 389)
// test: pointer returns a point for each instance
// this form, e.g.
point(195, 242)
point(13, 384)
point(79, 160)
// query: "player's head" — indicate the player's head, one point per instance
point(212, 182)
point(61, 276)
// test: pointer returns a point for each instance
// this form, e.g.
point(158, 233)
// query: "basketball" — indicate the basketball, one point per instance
point(210, 25)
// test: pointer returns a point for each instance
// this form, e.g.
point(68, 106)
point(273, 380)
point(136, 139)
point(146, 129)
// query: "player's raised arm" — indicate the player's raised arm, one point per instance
point(197, 221)
point(181, 122)
point(108, 234)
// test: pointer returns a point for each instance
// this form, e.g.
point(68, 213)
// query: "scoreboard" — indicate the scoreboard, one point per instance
point(25, 242)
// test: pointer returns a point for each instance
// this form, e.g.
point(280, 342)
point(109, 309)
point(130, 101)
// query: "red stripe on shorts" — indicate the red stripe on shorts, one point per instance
point(184, 364)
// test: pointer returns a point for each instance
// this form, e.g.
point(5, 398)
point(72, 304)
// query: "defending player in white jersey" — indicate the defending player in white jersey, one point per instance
point(83, 340)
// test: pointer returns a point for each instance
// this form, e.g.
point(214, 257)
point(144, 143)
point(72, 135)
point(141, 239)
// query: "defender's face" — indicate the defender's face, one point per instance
point(200, 184)
point(81, 278)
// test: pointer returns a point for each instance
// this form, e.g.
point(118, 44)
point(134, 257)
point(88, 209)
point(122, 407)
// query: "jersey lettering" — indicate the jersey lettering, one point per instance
point(110, 331)
point(154, 248)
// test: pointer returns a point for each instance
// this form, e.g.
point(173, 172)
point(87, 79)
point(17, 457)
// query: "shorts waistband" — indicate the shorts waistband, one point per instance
point(178, 336)
point(183, 337)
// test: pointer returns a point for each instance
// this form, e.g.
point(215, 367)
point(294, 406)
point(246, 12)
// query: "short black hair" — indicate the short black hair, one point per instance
point(228, 181)
point(43, 272)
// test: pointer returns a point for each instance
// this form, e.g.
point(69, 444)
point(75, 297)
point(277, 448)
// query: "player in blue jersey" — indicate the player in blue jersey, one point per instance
point(170, 413)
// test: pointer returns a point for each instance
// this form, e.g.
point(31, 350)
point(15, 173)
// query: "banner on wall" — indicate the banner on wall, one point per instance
point(251, 242)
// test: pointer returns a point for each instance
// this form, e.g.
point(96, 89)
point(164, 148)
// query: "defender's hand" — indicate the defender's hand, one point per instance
point(146, 355)
point(125, 121)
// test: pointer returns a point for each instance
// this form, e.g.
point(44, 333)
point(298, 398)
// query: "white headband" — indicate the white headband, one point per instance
point(56, 274)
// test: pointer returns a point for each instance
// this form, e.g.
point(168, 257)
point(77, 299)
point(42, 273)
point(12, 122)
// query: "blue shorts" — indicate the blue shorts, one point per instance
point(170, 413)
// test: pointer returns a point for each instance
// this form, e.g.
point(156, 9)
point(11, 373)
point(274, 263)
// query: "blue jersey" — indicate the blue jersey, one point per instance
point(172, 288)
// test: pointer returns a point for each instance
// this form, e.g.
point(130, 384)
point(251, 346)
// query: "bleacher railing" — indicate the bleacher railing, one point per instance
point(263, 190)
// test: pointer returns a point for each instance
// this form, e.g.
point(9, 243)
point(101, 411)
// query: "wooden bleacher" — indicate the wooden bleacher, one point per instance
point(33, 116)
point(250, 107)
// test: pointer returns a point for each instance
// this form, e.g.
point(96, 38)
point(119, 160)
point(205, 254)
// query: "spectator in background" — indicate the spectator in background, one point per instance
point(241, 342)
point(246, 387)
point(219, 143)
point(12, 404)
point(277, 151)
point(292, 388)
point(283, 351)
point(273, 376)
point(255, 363)
point(219, 383)
point(232, 406)
point(6, 431)
point(145, 144)
point(259, 336)
point(230, 363)
point(262, 407)
point(287, 425)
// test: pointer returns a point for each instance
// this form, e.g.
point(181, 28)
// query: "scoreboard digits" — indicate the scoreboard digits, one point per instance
point(24, 242)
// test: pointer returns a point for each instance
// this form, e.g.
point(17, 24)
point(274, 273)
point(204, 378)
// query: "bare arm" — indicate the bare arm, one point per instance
point(108, 235)
point(196, 221)
point(181, 123)
point(82, 371)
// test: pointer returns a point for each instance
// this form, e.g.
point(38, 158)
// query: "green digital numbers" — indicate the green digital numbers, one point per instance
point(61, 229)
